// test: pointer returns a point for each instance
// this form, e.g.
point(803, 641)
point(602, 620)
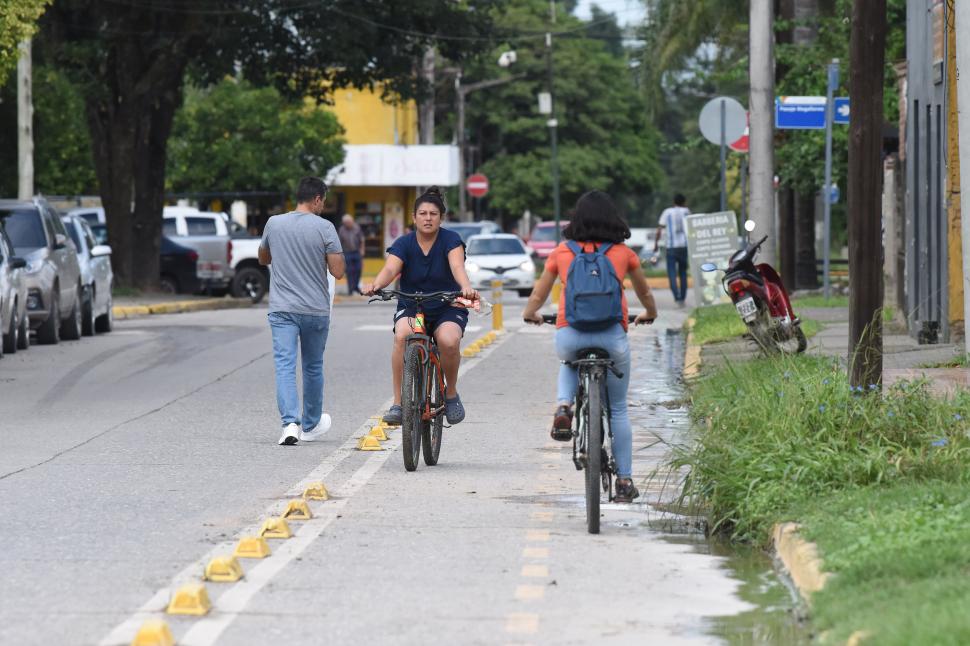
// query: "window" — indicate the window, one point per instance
point(56, 222)
point(201, 226)
point(91, 217)
point(100, 232)
point(169, 227)
point(25, 228)
point(72, 232)
point(88, 235)
point(544, 234)
point(495, 246)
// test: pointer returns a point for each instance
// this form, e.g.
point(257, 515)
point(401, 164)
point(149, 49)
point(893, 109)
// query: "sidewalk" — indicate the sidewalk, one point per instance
point(903, 357)
point(126, 307)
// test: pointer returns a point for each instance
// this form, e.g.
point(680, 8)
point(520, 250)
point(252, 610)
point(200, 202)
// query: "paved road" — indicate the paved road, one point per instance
point(127, 459)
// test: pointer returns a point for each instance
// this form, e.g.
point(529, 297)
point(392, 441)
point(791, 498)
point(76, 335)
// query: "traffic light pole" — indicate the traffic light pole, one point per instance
point(553, 136)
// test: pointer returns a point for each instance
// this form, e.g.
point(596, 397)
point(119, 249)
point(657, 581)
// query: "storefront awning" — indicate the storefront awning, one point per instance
point(380, 165)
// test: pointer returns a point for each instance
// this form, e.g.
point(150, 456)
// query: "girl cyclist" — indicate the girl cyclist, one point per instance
point(429, 259)
point(596, 221)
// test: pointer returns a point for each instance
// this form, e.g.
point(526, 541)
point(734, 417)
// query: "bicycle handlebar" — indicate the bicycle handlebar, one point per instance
point(388, 294)
point(551, 318)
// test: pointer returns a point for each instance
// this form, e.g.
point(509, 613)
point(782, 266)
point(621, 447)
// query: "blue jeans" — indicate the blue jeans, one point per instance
point(355, 264)
point(677, 268)
point(614, 340)
point(311, 333)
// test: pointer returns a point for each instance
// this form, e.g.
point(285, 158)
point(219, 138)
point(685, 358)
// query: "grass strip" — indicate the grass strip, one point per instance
point(877, 478)
point(716, 323)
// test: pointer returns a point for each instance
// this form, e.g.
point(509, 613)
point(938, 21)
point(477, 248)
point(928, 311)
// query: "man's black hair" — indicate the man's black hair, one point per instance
point(309, 188)
point(679, 200)
point(596, 219)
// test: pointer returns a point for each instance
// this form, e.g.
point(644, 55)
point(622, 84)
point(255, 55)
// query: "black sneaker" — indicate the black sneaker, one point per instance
point(562, 424)
point(394, 416)
point(626, 491)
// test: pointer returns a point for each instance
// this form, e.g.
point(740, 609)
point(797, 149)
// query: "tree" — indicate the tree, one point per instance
point(130, 59)
point(605, 138)
point(18, 22)
point(233, 137)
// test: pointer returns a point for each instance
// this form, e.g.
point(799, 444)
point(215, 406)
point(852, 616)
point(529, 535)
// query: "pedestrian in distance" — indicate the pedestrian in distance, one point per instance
point(429, 259)
point(352, 242)
point(302, 248)
point(596, 227)
point(673, 224)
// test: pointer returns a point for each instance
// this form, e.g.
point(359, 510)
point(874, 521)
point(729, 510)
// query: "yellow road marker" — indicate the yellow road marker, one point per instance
point(190, 599)
point(379, 433)
point(542, 516)
point(522, 623)
point(537, 535)
point(316, 491)
point(153, 632)
point(535, 571)
point(469, 352)
point(535, 553)
point(252, 547)
point(530, 592)
point(223, 569)
point(275, 527)
point(368, 443)
point(297, 510)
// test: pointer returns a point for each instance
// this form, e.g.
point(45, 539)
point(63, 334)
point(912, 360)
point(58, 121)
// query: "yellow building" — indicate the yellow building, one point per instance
point(383, 167)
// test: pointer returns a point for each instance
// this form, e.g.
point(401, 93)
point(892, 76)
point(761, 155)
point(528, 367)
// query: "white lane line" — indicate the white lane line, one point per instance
point(125, 632)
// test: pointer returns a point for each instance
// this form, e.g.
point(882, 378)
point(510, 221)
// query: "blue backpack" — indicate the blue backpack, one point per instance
point(594, 294)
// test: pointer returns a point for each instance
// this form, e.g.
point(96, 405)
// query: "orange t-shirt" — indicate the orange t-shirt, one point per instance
point(624, 261)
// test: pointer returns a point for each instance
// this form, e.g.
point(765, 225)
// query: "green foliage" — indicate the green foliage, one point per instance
point(18, 21)
point(715, 323)
point(773, 435)
point(236, 137)
point(605, 140)
point(62, 146)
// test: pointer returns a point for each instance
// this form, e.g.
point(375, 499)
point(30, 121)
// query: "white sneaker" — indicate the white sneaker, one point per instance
point(319, 431)
point(291, 433)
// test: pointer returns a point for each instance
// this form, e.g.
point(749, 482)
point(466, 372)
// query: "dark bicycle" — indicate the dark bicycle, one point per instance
point(592, 435)
point(423, 386)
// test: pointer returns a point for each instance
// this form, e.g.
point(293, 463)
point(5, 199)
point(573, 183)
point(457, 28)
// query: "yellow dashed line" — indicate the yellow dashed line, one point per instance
point(522, 623)
point(535, 571)
point(530, 592)
point(542, 516)
point(537, 535)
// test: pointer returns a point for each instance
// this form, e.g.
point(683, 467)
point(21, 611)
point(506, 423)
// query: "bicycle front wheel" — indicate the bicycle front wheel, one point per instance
point(431, 430)
point(412, 395)
point(594, 455)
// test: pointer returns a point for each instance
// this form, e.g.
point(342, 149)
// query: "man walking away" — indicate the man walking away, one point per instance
point(672, 222)
point(302, 248)
point(352, 242)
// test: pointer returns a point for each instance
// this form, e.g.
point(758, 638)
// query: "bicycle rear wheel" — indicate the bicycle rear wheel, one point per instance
point(412, 394)
point(431, 430)
point(594, 454)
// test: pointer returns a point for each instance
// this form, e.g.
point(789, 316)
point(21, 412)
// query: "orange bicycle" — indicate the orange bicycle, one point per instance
point(423, 386)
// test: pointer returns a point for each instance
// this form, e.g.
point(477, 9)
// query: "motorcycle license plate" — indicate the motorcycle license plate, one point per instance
point(746, 308)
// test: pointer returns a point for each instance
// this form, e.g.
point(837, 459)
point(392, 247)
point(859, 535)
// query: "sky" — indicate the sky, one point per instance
point(627, 11)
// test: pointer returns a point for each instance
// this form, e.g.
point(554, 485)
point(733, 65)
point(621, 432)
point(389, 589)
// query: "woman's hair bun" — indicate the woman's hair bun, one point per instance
point(434, 196)
point(435, 192)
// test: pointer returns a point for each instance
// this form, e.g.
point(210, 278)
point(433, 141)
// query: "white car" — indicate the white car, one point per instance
point(97, 279)
point(503, 256)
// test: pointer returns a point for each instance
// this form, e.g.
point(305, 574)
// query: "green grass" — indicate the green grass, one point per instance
point(878, 479)
point(125, 292)
point(959, 362)
point(835, 301)
point(721, 323)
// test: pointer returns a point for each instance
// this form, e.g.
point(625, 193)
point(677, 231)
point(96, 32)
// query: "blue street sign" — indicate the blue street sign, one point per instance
point(834, 193)
point(800, 112)
point(841, 114)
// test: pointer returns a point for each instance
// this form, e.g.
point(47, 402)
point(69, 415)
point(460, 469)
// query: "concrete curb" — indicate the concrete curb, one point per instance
point(799, 558)
point(179, 307)
point(692, 353)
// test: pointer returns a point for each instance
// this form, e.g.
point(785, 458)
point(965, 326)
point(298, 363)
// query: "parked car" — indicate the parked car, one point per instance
point(208, 235)
point(90, 214)
point(179, 274)
point(543, 238)
point(97, 279)
point(502, 256)
point(468, 229)
point(14, 325)
point(641, 238)
point(250, 279)
point(54, 292)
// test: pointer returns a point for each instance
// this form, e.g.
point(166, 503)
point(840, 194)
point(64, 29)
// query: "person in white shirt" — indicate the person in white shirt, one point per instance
point(673, 225)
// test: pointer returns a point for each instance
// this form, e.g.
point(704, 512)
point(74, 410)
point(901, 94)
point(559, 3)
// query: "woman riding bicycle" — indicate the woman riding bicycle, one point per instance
point(594, 222)
point(429, 259)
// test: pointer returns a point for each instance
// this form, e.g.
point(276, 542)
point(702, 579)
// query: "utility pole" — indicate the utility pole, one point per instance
point(426, 117)
point(831, 85)
point(867, 56)
point(963, 102)
point(25, 127)
point(762, 125)
point(553, 128)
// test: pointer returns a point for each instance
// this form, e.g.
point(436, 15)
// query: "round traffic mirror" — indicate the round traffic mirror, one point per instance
point(749, 225)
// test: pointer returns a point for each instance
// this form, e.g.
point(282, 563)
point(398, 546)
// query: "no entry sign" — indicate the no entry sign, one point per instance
point(477, 185)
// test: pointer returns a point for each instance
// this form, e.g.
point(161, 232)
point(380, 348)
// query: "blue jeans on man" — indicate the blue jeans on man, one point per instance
point(677, 272)
point(355, 265)
point(310, 333)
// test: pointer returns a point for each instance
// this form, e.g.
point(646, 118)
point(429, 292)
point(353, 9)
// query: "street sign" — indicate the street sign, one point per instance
point(841, 114)
point(741, 145)
point(735, 120)
point(834, 193)
point(808, 112)
point(477, 185)
point(711, 238)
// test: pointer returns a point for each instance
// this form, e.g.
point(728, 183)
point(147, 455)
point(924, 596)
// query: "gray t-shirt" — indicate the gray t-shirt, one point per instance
point(299, 243)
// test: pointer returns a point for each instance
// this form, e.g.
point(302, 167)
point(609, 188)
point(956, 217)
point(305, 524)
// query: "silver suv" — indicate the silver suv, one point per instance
point(13, 299)
point(53, 276)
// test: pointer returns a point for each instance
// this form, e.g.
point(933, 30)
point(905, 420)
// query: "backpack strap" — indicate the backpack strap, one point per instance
point(574, 247)
point(604, 247)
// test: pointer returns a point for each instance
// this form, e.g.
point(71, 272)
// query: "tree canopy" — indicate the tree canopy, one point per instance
point(18, 22)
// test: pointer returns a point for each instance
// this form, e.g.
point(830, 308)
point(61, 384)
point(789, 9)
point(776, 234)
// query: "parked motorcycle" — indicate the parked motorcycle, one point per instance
point(762, 302)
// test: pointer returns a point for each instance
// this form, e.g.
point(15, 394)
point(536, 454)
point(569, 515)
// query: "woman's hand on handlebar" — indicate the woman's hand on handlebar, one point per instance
point(644, 318)
point(370, 289)
point(532, 318)
point(470, 294)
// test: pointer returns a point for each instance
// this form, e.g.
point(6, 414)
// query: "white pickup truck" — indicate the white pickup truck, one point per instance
point(208, 235)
